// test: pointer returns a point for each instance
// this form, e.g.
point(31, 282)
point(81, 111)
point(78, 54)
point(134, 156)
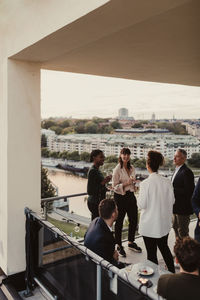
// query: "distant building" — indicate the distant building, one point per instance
point(153, 118)
point(139, 131)
point(111, 144)
point(193, 128)
point(123, 114)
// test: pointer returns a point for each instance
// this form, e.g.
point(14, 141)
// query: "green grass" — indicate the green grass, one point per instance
point(68, 228)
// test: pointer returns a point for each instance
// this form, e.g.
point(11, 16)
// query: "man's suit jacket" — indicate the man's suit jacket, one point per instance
point(183, 189)
point(100, 240)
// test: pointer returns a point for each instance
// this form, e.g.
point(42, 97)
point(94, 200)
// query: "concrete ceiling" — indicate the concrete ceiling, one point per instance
point(142, 40)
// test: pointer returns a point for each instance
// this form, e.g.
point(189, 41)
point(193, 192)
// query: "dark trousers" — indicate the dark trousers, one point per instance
point(151, 245)
point(181, 225)
point(126, 204)
point(93, 207)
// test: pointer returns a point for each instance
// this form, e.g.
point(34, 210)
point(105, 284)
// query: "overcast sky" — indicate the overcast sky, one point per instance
point(84, 96)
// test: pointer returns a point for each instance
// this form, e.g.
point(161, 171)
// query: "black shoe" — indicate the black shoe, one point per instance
point(121, 251)
point(133, 246)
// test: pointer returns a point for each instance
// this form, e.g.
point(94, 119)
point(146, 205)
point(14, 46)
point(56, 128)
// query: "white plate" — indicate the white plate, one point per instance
point(145, 270)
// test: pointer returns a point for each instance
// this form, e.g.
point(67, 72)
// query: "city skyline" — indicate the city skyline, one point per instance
point(85, 96)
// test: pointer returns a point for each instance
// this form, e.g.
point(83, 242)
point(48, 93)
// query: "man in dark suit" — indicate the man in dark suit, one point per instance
point(99, 236)
point(183, 183)
point(196, 209)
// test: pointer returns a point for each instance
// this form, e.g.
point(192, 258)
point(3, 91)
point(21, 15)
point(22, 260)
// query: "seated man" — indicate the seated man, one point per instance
point(99, 237)
point(186, 284)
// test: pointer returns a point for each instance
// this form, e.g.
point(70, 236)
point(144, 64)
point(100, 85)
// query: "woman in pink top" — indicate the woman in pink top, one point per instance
point(123, 184)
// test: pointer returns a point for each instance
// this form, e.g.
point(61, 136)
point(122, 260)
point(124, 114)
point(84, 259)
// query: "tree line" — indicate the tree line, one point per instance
point(175, 127)
point(103, 125)
point(67, 126)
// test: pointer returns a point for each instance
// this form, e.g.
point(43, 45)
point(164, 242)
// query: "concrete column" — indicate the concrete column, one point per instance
point(19, 158)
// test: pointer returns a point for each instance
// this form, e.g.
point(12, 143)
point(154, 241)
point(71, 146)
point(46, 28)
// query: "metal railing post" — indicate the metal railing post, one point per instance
point(98, 282)
point(45, 210)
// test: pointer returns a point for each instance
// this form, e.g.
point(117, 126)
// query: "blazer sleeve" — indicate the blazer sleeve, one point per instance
point(142, 199)
point(196, 199)
point(188, 181)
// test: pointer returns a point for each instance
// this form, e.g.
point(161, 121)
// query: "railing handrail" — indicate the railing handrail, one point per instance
point(45, 201)
point(51, 199)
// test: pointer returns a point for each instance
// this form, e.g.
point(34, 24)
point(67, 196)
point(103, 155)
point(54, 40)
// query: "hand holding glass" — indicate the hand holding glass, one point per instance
point(132, 177)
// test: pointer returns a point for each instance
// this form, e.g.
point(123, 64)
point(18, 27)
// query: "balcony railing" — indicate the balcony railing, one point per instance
point(46, 201)
point(66, 269)
point(78, 220)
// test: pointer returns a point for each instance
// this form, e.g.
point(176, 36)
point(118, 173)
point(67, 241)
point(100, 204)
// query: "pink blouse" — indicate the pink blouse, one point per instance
point(121, 176)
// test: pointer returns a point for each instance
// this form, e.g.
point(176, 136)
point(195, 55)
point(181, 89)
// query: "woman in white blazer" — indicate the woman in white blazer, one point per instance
point(123, 185)
point(156, 199)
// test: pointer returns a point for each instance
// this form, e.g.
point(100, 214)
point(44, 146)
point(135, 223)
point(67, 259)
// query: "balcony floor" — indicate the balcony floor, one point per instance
point(133, 257)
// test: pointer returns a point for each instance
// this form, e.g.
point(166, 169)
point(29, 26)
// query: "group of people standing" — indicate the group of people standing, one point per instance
point(160, 200)
point(123, 182)
point(163, 204)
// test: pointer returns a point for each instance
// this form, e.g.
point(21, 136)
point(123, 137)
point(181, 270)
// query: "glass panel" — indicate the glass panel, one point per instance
point(65, 270)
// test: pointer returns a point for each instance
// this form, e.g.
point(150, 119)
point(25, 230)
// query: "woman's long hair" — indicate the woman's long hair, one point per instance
point(125, 151)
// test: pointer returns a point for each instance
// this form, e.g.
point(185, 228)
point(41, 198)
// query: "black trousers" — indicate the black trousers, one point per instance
point(93, 207)
point(151, 245)
point(126, 204)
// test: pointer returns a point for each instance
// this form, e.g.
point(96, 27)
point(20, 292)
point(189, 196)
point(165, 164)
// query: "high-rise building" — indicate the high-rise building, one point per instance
point(123, 113)
point(153, 117)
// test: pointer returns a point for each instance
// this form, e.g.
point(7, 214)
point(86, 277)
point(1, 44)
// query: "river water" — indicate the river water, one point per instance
point(70, 184)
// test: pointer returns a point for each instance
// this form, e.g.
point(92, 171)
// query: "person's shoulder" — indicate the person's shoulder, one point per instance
point(118, 167)
point(166, 180)
point(100, 223)
point(165, 277)
point(92, 170)
point(93, 223)
point(163, 284)
point(169, 278)
point(186, 169)
point(145, 181)
point(166, 280)
point(95, 226)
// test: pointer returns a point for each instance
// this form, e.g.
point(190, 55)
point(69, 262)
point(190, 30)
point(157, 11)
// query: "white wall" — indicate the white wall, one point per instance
point(20, 175)
point(23, 23)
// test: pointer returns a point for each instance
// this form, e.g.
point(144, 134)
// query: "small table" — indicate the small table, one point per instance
point(130, 273)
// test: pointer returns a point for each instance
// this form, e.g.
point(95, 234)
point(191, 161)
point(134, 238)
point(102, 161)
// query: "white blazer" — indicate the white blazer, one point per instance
point(156, 199)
